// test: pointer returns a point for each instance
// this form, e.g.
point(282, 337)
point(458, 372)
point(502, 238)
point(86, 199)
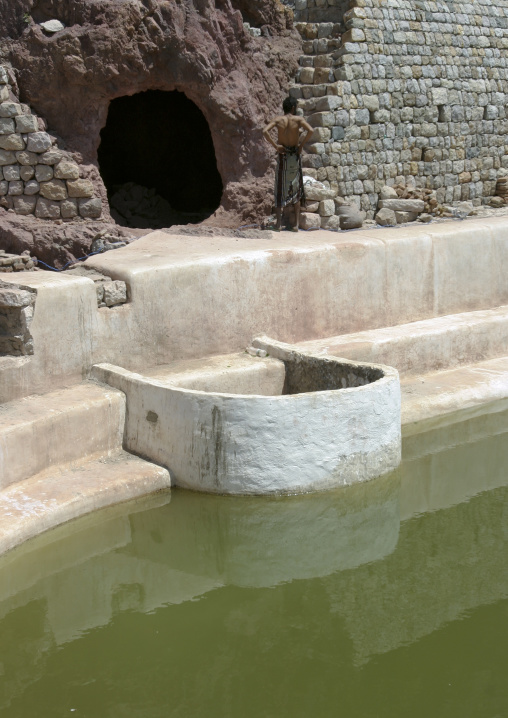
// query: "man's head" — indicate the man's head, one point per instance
point(289, 105)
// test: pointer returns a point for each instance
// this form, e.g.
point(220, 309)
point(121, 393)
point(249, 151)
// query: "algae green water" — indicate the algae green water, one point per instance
point(388, 599)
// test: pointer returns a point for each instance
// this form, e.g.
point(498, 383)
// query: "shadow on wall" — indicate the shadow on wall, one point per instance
point(158, 161)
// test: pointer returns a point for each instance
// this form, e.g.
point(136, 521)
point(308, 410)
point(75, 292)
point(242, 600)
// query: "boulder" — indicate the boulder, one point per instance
point(350, 216)
point(52, 26)
point(386, 217)
point(403, 217)
point(388, 193)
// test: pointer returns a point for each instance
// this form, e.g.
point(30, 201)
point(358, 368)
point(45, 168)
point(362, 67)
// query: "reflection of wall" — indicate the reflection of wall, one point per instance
point(377, 587)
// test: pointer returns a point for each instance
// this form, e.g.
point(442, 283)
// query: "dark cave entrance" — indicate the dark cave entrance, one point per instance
point(158, 162)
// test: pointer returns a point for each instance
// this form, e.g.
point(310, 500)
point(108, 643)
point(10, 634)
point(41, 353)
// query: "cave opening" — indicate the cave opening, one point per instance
point(157, 160)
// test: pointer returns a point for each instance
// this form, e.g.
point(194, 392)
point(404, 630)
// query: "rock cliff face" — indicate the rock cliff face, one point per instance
point(114, 48)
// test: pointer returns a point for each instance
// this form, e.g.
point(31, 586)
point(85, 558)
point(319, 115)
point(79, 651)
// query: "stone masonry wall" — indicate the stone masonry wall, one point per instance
point(405, 92)
point(36, 177)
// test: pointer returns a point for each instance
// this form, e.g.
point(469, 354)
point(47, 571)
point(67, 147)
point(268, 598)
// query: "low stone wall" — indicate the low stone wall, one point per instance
point(36, 177)
point(413, 93)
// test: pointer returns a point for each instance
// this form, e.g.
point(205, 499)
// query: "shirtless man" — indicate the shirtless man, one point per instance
point(288, 176)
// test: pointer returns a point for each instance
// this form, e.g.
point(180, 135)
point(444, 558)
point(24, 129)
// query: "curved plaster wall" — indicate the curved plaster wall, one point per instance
point(322, 437)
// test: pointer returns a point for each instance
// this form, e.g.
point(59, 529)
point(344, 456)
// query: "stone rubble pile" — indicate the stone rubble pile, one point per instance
point(17, 262)
point(36, 177)
point(407, 93)
point(135, 206)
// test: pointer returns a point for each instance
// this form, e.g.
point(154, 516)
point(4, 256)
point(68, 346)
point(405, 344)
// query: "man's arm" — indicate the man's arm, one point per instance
point(268, 138)
point(309, 132)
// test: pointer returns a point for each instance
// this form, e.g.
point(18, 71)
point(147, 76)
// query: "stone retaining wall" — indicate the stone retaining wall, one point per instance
point(36, 177)
point(414, 94)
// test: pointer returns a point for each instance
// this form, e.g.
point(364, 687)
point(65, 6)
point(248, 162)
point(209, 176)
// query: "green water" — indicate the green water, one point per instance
point(383, 600)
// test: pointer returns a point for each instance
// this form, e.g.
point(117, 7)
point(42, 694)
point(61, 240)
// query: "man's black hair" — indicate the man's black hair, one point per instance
point(289, 104)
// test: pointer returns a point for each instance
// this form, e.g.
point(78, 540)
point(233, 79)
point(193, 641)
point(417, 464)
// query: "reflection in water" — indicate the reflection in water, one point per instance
point(194, 605)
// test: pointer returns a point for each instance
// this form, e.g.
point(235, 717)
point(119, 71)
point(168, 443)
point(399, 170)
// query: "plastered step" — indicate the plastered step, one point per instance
point(229, 374)
point(429, 345)
point(39, 432)
point(30, 507)
point(441, 396)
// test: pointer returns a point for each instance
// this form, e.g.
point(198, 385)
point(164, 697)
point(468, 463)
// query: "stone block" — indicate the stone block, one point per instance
point(317, 192)
point(326, 207)
point(439, 95)
point(15, 298)
point(307, 75)
point(69, 208)
point(386, 217)
point(67, 170)
point(403, 217)
point(342, 118)
point(25, 204)
point(491, 112)
point(26, 172)
point(7, 126)
point(381, 116)
point(54, 189)
point(43, 173)
point(115, 293)
point(26, 123)
point(15, 188)
point(12, 142)
point(32, 187)
point(4, 77)
point(331, 223)
point(90, 208)
point(362, 116)
point(387, 193)
point(353, 35)
point(5, 93)
point(80, 188)
point(27, 158)
point(11, 173)
point(47, 209)
point(10, 109)
point(4, 188)
point(330, 102)
point(403, 205)
point(371, 102)
point(322, 119)
point(51, 157)
point(309, 220)
point(312, 206)
point(321, 134)
point(38, 142)
point(321, 75)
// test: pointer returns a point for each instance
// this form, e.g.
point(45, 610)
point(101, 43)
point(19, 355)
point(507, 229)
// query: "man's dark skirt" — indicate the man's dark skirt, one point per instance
point(289, 178)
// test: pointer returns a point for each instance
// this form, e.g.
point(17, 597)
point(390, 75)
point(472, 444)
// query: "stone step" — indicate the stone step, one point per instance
point(228, 373)
point(41, 432)
point(436, 398)
point(425, 346)
point(30, 507)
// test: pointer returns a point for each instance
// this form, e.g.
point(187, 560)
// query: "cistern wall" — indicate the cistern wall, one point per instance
point(415, 94)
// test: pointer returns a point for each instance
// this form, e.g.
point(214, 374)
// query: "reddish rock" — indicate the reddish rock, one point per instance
point(110, 48)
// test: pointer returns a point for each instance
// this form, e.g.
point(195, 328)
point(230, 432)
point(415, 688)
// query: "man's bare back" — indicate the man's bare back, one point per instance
point(289, 129)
